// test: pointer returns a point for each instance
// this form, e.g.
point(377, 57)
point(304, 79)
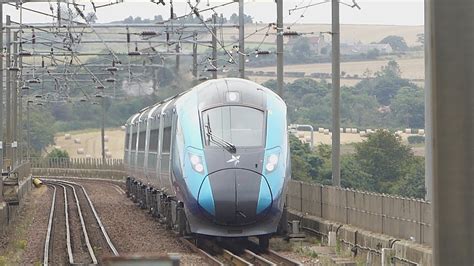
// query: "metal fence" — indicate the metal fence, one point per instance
point(395, 216)
point(78, 163)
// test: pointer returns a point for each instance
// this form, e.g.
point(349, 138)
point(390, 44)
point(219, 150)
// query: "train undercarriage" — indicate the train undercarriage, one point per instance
point(170, 212)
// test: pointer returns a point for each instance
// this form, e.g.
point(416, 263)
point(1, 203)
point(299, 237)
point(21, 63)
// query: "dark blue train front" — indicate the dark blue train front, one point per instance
point(229, 158)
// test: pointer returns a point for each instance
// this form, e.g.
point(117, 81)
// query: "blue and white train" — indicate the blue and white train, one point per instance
point(212, 161)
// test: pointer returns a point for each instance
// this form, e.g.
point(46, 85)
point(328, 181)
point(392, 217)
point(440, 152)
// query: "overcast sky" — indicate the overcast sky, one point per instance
point(386, 12)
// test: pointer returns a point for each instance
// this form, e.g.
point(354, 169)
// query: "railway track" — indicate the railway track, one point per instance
point(74, 227)
point(238, 254)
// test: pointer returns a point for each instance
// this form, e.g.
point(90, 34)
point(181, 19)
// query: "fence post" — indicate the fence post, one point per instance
point(321, 199)
point(301, 196)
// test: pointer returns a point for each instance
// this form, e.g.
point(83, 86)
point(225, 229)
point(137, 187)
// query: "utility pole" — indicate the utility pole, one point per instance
point(450, 47)
point(214, 46)
point(280, 62)
point(28, 140)
point(14, 99)
point(336, 96)
point(2, 145)
point(102, 129)
point(8, 139)
point(177, 56)
point(242, 55)
point(195, 55)
point(428, 114)
point(20, 116)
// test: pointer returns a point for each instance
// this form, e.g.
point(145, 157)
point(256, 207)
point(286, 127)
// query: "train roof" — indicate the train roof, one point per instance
point(220, 84)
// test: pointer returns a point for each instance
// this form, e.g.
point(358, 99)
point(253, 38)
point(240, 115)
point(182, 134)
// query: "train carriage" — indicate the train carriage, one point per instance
point(212, 161)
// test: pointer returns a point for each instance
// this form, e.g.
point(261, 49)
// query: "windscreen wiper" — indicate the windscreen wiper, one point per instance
point(217, 140)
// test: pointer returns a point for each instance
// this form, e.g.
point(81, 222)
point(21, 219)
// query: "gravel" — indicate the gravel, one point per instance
point(58, 234)
point(35, 214)
point(132, 230)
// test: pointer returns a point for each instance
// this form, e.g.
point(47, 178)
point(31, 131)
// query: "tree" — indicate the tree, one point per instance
point(386, 84)
point(302, 50)
point(385, 158)
point(42, 133)
point(408, 108)
point(234, 19)
point(58, 154)
point(420, 37)
point(396, 42)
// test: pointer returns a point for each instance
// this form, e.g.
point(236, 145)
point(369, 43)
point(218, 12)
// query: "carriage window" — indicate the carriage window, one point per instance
point(141, 141)
point(134, 141)
point(239, 125)
point(154, 134)
point(166, 139)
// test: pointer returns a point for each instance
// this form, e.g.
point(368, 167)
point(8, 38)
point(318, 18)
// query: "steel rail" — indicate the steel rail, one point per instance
point(83, 225)
point(97, 218)
point(68, 229)
point(234, 259)
point(50, 225)
point(256, 259)
point(206, 256)
point(280, 259)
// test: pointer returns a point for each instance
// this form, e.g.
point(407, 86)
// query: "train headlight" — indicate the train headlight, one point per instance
point(196, 163)
point(272, 162)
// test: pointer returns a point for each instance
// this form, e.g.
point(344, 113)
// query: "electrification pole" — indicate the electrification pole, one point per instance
point(14, 99)
point(195, 55)
point(2, 145)
point(177, 56)
point(242, 55)
point(102, 130)
point(280, 62)
point(214, 46)
point(451, 51)
point(428, 114)
point(336, 96)
point(8, 139)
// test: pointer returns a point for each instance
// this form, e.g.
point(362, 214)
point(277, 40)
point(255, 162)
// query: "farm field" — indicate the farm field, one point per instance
point(412, 68)
point(349, 33)
point(90, 141)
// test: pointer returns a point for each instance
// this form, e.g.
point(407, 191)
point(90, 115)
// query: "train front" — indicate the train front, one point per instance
point(243, 163)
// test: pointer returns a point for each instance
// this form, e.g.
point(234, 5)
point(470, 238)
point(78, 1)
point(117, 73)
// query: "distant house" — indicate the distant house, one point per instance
point(317, 43)
point(362, 48)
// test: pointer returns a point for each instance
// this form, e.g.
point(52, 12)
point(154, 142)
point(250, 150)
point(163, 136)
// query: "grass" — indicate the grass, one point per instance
point(306, 251)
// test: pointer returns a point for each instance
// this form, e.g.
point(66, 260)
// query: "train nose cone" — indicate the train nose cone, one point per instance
point(239, 196)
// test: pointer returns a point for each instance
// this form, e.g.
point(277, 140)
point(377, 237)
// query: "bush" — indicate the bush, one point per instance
point(416, 139)
point(57, 153)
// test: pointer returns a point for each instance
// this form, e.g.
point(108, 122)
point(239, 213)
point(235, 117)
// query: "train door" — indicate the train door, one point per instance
point(165, 152)
point(153, 151)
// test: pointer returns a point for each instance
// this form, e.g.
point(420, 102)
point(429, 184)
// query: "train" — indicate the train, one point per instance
point(213, 161)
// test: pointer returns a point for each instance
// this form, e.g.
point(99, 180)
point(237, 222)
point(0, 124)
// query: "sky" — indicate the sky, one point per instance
point(381, 12)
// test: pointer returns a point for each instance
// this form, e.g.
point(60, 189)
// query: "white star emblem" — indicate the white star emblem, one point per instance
point(235, 160)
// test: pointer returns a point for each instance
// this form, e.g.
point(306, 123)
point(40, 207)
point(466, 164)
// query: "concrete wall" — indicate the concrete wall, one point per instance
point(404, 252)
point(379, 213)
point(8, 212)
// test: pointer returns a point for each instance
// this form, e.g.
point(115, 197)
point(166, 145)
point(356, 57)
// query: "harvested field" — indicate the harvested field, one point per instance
point(412, 68)
point(91, 143)
point(349, 33)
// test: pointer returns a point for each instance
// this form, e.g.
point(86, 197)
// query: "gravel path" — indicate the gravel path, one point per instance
point(58, 234)
point(35, 215)
point(132, 230)
point(79, 248)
